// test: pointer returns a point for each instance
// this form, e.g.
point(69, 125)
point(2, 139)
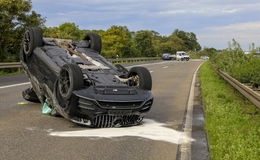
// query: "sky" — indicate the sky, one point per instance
point(215, 22)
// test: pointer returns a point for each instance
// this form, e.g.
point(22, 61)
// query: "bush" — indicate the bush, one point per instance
point(244, 68)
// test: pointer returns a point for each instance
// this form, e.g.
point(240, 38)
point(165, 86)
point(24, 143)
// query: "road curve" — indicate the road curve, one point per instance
point(28, 134)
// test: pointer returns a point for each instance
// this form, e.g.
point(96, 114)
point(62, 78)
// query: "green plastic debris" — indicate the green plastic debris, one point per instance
point(46, 109)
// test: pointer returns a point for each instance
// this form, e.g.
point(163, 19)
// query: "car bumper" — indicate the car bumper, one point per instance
point(111, 113)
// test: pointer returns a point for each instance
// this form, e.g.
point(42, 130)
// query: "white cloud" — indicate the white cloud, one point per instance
point(248, 26)
point(244, 33)
point(231, 10)
point(205, 11)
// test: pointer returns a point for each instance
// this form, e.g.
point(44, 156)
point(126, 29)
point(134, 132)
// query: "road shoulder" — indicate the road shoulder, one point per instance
point(199, 148)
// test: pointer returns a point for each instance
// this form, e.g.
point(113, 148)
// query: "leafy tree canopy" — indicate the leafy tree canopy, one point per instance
point(15, 16)
point(189, 39)
point(144, 43)
point(117, 42)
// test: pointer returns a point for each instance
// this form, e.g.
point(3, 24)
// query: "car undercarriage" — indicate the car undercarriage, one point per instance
point(76, 82)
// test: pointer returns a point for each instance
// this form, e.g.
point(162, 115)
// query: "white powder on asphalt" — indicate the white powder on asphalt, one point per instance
point(150, 129)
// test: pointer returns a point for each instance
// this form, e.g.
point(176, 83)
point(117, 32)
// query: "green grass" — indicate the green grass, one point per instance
point(232, 122)
point(194, 56)
point(2, 73)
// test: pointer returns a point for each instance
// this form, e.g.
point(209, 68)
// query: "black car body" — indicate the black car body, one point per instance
point(89, 91)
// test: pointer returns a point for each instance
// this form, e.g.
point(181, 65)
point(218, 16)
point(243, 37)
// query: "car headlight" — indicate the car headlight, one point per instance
point(86, 104)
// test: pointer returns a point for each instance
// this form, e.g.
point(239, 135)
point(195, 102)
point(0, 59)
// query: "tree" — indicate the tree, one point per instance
point(206, 52)
point(189, 38)
point(15, 16)
point(172, 44)
point(117, 42)
point(65, 30)
point(235, 47)
point(144, 43)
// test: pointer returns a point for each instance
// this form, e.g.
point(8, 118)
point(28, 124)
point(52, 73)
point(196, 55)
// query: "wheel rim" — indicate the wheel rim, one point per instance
point(87, 39)
point(89, 43)
point(64, 83)
point(136, 80)
point(26, 42)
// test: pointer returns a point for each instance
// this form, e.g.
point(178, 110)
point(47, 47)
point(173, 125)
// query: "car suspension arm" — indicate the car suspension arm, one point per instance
point(66, 44)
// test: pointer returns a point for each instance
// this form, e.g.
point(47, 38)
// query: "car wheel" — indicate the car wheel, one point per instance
point(32, 39)
point(70, 79)
point(94, 41)
point(141, 78)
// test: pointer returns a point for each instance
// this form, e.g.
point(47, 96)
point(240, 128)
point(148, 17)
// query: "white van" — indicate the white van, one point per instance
point(182, 56)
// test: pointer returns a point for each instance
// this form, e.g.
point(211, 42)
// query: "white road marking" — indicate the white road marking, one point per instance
point(148, 64)
point(15, 85)
point(150, 129)
point(185, 149)
point(31, 128)
point(165, 67)
point(151, 71)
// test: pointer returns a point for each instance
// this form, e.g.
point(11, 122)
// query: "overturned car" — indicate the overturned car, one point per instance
point(76, 82)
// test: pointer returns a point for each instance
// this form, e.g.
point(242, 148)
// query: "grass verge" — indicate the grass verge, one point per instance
point(2, 73)
point(232, 122)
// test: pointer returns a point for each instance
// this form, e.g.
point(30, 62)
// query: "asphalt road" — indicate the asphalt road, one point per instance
point(25, 133)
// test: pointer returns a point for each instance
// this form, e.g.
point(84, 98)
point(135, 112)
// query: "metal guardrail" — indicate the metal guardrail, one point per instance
point(125, 60)
point(251, 95)
point(10, 65)
point(119, 60)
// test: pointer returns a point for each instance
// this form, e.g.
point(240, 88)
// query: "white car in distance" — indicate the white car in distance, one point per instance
point(182, 56)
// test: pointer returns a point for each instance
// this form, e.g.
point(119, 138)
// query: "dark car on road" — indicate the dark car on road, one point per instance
point(166, 56)
point(76, 82)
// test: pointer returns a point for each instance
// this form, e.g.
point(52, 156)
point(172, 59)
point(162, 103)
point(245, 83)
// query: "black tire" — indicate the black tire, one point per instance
point(144, 80)
point(121, 68)
point(32, 39)
point(94, 41)
point(30, 95)
point(70, 79)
